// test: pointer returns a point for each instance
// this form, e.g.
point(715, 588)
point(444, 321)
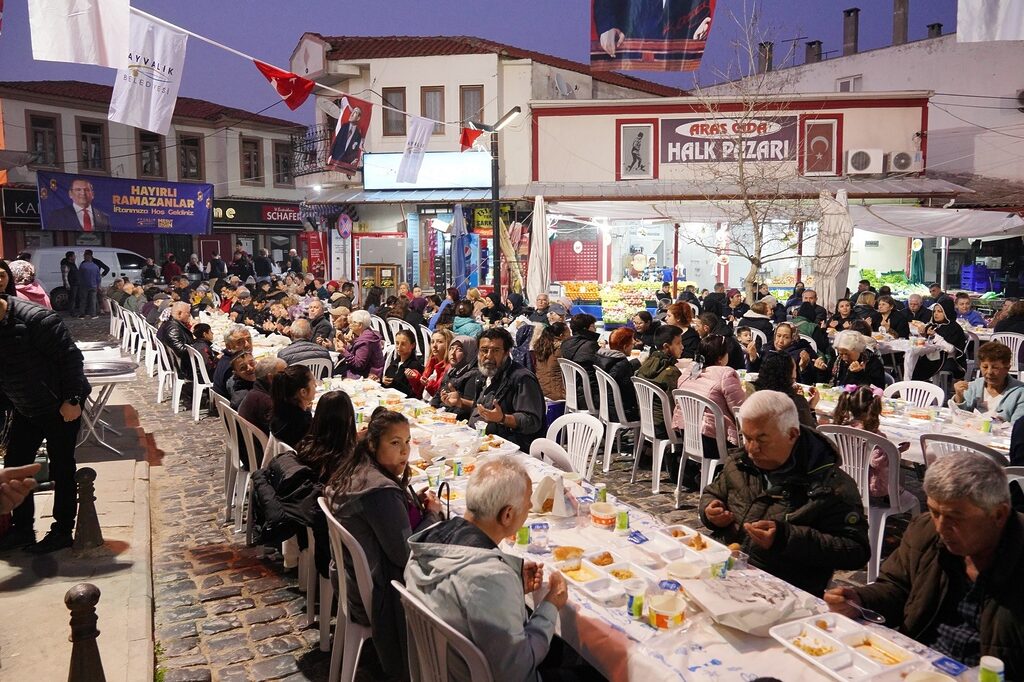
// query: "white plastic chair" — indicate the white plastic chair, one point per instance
point(200, 380)
point(612, 414)
point(424, 337)
point(758, 335)
point(152, 351)
point(549, 451)
point(430, 639)
point(935, 445)
point(695, 309)
point(971, 355)
point(1015, 475)
point(856, 447)
point(320, 367)
point(692, 407)
point(646, 394)
point(380, 326)
point(115, 318)
point(582, 435)
point(165, 369)
point(814, 346)
point(251, 435)
point(349, 636)
point(574, 375)
point(396, 325)
point(228, 420)
point(1013, 342)
point(917, 393)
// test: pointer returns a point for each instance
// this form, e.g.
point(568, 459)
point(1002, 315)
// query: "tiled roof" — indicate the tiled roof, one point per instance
point(992, 193)
point(346, 48)
point(186, 107)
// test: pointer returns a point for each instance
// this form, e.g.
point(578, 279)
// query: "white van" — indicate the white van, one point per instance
point(47, 260)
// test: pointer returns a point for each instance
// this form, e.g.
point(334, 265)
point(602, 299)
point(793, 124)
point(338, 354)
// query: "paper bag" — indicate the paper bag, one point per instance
point(551, 487)
point(750, 601)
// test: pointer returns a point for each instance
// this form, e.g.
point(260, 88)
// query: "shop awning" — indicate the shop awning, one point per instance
point(357, 195)
point(654, 191)
point(921, 221)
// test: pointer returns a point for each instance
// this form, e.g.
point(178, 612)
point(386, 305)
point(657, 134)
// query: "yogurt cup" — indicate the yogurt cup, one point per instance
point(665, 611)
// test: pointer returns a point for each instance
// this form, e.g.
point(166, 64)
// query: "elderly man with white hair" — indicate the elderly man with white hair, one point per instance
point(955, 581)
point(176, 333)
point(364, 357)
point(916, 309)
point(302, 346)
point(786, 500)
point(237, 339)
point(854, 362)
point(458, 571)
point(323, 330)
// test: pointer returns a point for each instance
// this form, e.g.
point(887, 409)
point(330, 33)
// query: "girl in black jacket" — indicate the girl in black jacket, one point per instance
point(405, 370)
point(292, 392)
point(582, 348)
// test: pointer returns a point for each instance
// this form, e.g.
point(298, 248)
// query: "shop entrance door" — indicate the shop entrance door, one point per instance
point(178, 244)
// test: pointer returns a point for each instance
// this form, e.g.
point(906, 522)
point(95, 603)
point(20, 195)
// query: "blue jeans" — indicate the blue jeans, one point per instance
point(88, 304)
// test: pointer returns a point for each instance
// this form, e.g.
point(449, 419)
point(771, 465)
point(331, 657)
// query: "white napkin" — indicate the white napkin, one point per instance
point(551, 486)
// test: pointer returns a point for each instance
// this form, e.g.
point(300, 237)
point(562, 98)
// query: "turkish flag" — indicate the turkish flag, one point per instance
point(293, 89)
point(819, 147)
point(468, 137)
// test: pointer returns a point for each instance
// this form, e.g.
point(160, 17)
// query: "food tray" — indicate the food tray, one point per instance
point(634, 569)
point(713, 552)
point(659, 550)
point(111, 368)
point(845, 650)
point(601, 588)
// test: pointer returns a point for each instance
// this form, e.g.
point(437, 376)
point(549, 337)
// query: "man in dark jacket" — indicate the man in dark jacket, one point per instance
point(582, 348)
point(257, 405)
point(954, 583)
point(262, 266)
point(302, 346)
point(294, 262)
point(236, 340)
point(218, 268)
point(176, 334)
point(323, 329)
point(43, 382)
point(786, 500)
point(502, 393)
point(69, 278)
point(717, 302)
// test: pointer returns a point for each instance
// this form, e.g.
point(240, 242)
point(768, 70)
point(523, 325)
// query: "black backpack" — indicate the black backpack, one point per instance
point(284, 500)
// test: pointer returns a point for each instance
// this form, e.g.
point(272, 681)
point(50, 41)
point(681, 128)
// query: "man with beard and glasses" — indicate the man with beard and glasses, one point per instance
point(501, 392)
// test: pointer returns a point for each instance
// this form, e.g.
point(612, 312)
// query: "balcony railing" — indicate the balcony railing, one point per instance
point(311, 149)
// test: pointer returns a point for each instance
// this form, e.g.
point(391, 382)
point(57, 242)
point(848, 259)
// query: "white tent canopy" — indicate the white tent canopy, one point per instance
point(919, 221)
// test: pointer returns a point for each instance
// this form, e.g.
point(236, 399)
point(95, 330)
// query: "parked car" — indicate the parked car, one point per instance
point(122, 263)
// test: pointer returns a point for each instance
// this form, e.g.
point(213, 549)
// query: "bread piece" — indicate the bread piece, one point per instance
point(564, 552)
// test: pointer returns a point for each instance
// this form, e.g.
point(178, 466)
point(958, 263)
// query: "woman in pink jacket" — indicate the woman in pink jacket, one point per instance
point(720, 384)
point(24, 274)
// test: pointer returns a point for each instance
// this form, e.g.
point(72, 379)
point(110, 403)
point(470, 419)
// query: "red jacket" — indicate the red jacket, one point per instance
point(432, 375)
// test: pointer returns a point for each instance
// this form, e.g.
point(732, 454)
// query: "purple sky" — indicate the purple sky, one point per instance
point(270, 30)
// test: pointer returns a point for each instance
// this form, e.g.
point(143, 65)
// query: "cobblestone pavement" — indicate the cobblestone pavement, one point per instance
point(227, 612)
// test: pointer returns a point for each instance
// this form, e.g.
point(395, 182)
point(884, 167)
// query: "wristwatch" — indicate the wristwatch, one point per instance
point(74, 400)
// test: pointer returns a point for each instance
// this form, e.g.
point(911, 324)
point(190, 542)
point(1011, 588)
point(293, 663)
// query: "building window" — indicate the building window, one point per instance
point(283, 164)
point(848, 84)
point(92, 146)
point(151, 155)
point(432, 106)
point(471, 103)
point(190, 157)
point(394, 121)
point(44, 139)
point(252, 161)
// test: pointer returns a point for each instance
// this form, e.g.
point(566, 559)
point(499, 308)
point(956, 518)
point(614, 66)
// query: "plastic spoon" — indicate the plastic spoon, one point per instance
point(868, 614)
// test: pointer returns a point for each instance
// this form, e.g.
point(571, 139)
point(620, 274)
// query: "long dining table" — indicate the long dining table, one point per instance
point(618, 645)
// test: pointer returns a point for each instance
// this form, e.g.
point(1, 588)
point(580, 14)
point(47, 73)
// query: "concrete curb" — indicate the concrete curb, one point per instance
point(141, 662)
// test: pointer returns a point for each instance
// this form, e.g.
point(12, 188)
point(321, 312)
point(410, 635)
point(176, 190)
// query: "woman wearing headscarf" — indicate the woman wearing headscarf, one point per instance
point(451, 300)
point(943, 327)
point(24, 277)
point(494, 311)
point(414, 315)
point(516, 303)
point(462, 360)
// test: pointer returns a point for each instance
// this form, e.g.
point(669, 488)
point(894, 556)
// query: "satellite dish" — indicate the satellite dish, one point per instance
point(329, 107)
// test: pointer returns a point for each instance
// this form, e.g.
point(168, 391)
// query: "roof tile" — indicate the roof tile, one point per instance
point(185, 107)
point(383, 47)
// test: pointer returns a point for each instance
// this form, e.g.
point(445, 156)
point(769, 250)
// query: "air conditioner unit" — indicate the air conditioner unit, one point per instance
point(911, 161)
point(864, 161)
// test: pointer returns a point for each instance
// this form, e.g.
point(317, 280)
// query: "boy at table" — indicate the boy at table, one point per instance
point(786, 500)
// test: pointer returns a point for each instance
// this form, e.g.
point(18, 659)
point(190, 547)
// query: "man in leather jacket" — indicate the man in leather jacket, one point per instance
point(43, 384)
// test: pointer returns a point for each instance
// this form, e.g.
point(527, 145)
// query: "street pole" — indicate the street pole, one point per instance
point(675, 263)
point(495, 214)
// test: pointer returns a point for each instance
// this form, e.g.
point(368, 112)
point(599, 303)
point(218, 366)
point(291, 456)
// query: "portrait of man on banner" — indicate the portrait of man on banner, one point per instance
point(81, 214)
point(649, 35)
point(349, 134)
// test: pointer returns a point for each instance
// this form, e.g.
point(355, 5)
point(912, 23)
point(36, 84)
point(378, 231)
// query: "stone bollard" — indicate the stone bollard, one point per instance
point(87, 527)
point(86, 665)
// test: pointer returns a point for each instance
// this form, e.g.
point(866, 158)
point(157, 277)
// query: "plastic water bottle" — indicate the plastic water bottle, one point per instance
point(991, 669)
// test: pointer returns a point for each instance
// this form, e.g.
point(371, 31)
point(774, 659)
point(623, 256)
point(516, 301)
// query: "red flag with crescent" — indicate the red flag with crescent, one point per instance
point(293, 89)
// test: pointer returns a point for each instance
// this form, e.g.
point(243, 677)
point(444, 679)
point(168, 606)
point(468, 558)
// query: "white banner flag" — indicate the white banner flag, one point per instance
point(147, 82)
point(420, 130)
point(80, 31)
point(983, 20)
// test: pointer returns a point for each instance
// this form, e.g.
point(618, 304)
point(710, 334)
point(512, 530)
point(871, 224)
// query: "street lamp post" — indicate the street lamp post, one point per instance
point(495, 197)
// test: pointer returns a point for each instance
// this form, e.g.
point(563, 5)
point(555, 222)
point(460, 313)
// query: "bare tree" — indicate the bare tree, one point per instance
point(751, 150)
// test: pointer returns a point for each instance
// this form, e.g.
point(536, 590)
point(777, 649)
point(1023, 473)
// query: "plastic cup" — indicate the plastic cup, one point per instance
point(636, 590)
point(739, 561)
point(434, 475)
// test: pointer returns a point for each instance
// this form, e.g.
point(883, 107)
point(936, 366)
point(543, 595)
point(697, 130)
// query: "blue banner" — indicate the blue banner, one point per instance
point(86, 203)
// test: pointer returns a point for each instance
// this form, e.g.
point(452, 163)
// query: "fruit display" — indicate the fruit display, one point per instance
point(582, 292)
